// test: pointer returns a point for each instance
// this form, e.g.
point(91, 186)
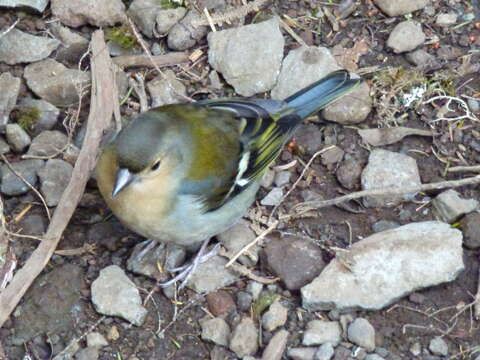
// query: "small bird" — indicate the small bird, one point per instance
point(183, 173)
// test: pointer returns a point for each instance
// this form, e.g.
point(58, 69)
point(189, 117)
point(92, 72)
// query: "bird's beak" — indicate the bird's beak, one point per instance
point(124, 178)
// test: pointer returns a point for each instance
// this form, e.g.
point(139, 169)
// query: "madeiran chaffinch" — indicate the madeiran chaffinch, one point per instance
point(186, 172)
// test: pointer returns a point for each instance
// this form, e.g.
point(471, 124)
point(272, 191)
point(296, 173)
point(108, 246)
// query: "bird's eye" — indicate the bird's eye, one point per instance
point(156, 166)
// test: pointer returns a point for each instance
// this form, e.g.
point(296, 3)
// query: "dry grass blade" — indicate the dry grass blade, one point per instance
point(174, 58)
point(101, 110)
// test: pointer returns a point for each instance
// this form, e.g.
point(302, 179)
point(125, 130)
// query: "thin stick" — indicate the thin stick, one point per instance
point(170, 59)
point(473, 168)
point(98, 120)
point(9, 28)
point(477, 299)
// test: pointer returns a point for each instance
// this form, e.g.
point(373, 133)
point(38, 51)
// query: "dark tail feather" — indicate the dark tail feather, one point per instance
point(321, 93)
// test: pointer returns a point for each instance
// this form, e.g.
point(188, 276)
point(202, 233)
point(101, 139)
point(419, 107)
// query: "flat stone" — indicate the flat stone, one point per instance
point(438, 346)
point(470, 226)
point(362, 333)
point(95, 339)
point(406, 36)
point(73, 45)
point(386, 266)
point(54, 178)
point(220, 302)
point(389, 169)
point(236, 238)
point(216, 330)
point(17, 137)
point(211, 275)
point(244, 340)
point(446, 19)
point(349, 173)
point(4, 147)
point(422, 59)
point(319, 332)
point(184, 34)
point(302, 67)
point(301, 353)
point(168, 18)
point(401, 7)
point(273, 198)
point(144, 14)
point(275, 316)
point(19, 47)
point(325, 352)
point(55, 83)
point(353, 108)
point(88, 353)
point(448, 206)
point(48, 143)
point(383, 225)
point(38, 5)
point(282, 178)
point(332, 156)
point(93, 12)
point(166, 89)
point(114, 294)
point(276, 346)
point(10, 86)
point(309, 138)
point(11, 184)
point(249, 57)
point(47, 114)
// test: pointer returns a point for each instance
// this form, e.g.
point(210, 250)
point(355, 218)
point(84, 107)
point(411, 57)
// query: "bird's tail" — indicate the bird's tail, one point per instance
point(321, 93)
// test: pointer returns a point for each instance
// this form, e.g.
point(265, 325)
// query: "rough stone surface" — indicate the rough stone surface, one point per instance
point(73, 45)
point(448, 206)
point(438, 346)
point(38, 5)
point(361, 333)
point(237, 237)
point(422, 59)
point(332, 155)
point(282, 178)
point(48, 143)
point(17, 137)
point(216, 330)
point(4, 147)
point(276, 346)
point(352, 108)
point(406, 36)
point(10, 86)
point(395, 8)
point(309, 138)
point(295, 260)
point(144, 14)
point(383, 225)
point(88, 353)
point(166, 90)
point(470, 226)
point(95, 339)
point(185, 34)
point(244, 340)
point(319, 332)
point(248, 57)
point(349, 173)
point(275, 317)
point(113, 293)
point(387, 169)
point(54, 178)
point(446, 19)
point(11, 184)
point(324, 352)
point(220, 302)
point(20, 47)
point(302, 67)
point(167, 18)
point(211, 275)
point(93, 12)
point(380, 267)
point(301, 353)
point(48, 114)
point(273, 198)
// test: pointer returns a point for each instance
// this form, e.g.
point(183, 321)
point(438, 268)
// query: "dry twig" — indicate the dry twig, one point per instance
point(173, 58)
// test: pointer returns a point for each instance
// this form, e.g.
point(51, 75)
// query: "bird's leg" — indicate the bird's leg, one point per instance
point(186, 271)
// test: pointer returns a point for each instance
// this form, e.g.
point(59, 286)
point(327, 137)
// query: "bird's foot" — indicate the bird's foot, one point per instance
point(186, 271)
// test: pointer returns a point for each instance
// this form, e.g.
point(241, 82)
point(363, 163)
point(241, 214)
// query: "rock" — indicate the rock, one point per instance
point(309, 138)
point(93, 12)
point(38, 5)
point(166, 90)
point(267, 179)
point(319, 332)
point(302, 67)
point(386, 266)
point(388, 169)
point(10, 86)
point(17, 137)
point(273, 198)
point(373, 357)
point(48, 143)
point(332, 155)
point(438, 346)
point(244, 340)
point(342, 353)
point(216, 330)
point(383, 225)
point(422, 59)
point(282, 178)
point(211, 275)
point(73, 45)
point(4, 147)
point(185, 34)
point(88, 353)
point(470, 226)
point(45, 115)
point(220, 302)
point(255, 288)
point(474, 105)
point(295, 260)
point(167, 18)
point(147, 254)
point(446, 19)
point(249, 57)
point(276, 346)
point(416, 349)
point(448, 206)
point(244, 301)
point(55, 83)
point(236, 238)
point(54, 178)
point(144, 14)
point(406, 36)
point(275, 317)
point(361, 333)
point(60, 289)
point(11, 184)
point(303, 353)
point(401, 7)
point(349, 173)
point(114, 294)
point(353, 108)
point(95, 339)
point(324, 352)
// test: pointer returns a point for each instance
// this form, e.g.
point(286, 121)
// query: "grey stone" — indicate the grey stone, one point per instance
point(446, 19)
point(249, 57)
point(167, 18)
point(113, 293)
point(47, 114)
point(448, 206)
point(93, 12)
point(470, 226)
point(373, 357)
point(301, 353)
point(422, 59)
point(236, 238)
point(4, 147)
point(73, 45)
point(216, 330)
point(38, 5)
point(438, 346)
point(282, 178)
point(416, 349)
point(211, 275)
point(48, 143)
point(88, 353)
point(54, 178)
point(309, 138)
point(185, 34)
point(332, 156)
point(273, 198)
point(349, 173)
point(395, 8)
point(244, 301)
point(267, 179)
point(255, 288)
point(275, 316)
point(10, 86)
point(319, 332)
point(353, 108)
point(55, 83)
point(244, 340)
point(95, 339)
point(276, 346)
point(11, 184)
point(361, 333)
point(406, 36)
point(17, 137)
point(389, 169)
point(166, 90)
point(302, 67)
point(325, 352)
point(383, 225)
point(144, 14)
point(19, 47)
point(380, 269)
point(474, 105)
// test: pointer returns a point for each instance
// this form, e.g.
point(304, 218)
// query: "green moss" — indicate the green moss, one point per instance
point(171, 4)
point(263, 303)
point(28, 117)
point(123, 36)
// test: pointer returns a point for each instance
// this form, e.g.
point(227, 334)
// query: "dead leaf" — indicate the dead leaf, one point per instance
point(387, 136)
point(348, 57)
